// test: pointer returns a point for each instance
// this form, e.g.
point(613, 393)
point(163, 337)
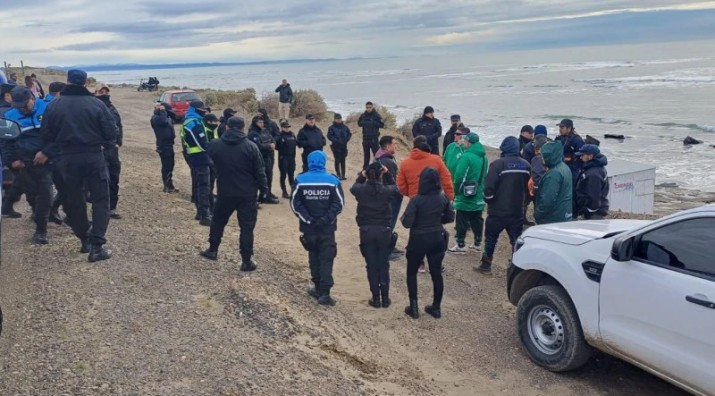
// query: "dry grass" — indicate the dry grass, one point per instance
point(244, 101)
point(405, 130)
point(309, 101)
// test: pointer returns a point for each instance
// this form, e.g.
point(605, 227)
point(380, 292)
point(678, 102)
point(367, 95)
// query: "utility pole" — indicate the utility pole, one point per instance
point(22, 66)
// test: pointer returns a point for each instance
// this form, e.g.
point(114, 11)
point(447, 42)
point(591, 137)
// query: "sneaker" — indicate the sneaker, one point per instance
point(113, 214)
point(40, 238)
point(209, 254)
point(421, 268)
point(248, 266)
point(398, 251)
point(476, 248)
point(456, 249)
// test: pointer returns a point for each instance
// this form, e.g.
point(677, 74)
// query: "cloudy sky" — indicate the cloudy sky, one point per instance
point(72, 32)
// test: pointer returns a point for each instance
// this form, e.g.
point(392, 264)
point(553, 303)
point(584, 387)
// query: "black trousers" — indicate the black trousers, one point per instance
point(166, 154)
point(514, 226)
point(268, 161)
point(466, 221)
point(36, 182)
point(90, 170)
point(201, 185)
point(369, 145)
point(433, 245)
point(286, 165)
point(376, 246)
point(114, 167)
point(59, 185)
point(340, 154)
point(14, 193)
point(322, 250)
point(246, 210)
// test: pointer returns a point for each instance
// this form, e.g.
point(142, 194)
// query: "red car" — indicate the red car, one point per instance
point(179, 100)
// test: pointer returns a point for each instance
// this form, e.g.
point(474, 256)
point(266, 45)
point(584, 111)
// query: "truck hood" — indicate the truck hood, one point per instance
point(580, 232)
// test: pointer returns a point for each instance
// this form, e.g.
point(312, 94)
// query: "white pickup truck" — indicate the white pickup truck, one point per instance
point(643, 291)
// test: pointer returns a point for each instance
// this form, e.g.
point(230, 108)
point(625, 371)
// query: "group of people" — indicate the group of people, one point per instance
point(72, 142)
point(69, 140)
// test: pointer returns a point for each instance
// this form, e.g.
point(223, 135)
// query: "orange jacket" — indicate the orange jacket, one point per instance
point(408, 177)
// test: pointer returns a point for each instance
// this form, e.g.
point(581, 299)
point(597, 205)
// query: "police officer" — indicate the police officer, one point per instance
point(317, 201)
point(162, 122)
point(111, 152)
point(24, 154)
point(263, 139)
point(240, 176)
point(310, 138)
point(374, 191)
point(592, 185)
point(211, 125)
point(285, 144)
point(195, 141)
point(75, 127)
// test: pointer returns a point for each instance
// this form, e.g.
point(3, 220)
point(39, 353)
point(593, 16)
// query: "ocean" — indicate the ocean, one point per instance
point(654, 94)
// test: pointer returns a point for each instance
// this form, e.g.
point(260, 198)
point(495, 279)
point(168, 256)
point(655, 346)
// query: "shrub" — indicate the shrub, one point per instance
point(91, 81)
point(388, 117)
point(244, 101)
point(405, 130)
point(269, 101)
point(308, 101)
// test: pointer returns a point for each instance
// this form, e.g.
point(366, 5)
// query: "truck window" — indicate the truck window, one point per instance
point(184, 97)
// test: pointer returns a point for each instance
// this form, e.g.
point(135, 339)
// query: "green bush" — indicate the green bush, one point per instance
point(244, 101)
point(308, 101)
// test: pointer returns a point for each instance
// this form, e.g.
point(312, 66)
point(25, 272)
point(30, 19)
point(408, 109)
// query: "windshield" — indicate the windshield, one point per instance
point(184, 97)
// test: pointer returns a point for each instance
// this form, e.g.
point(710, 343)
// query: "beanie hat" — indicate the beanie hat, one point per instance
point(428, 109)
point(540, 130)
point(76, 77)
point(236, 122)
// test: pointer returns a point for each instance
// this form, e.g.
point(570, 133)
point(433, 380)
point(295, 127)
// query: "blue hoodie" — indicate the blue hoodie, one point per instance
point(318, 197)
point(25, 146)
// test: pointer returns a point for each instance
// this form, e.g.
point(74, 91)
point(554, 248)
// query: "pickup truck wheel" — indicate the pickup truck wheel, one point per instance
point(549, 329)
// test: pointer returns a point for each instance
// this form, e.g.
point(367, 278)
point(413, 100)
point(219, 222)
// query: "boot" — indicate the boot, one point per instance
point(85, 247)
point(205, 219)
point(40, 238)
point(169, 187)
point(314, 292)
point(98, 253)
point(114, 214)
point(375, 300)
point(209, 254)
point(248, 266)
point(325, 299)
point(385, 294)
point(269, 199)
point(198, 215)
point(434, 310)
point(8, 210)
point(286, 195)
point(486, 265)
point(413, 310)
point(56, 218)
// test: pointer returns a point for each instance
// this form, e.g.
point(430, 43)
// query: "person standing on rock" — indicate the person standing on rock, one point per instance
point(263, 139)
point(424, 216)
point(374, 191)
point(429, 127)
point(111, 152)
point(76, 127)
point(592, 185)
point(371, 122)
point(339, 135)
point(285, 144)
point(162, 122)
point(240, 176)
point(285, 99)
point(449, 136)
point(195, 141)
point(310, 138)
point(317, 200)
point(505, 190)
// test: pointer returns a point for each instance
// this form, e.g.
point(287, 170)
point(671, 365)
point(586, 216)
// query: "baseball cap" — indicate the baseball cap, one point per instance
point(566, 122)
point(20, 97)
point(197, 104)
point(338, 116)
point(76, 77)
point(309, 117)
point(471, 137)
point(589, 149)
point(285, 124)
point(101, 86)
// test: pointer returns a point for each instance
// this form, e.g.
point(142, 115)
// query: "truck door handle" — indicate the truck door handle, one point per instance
point(700, 301)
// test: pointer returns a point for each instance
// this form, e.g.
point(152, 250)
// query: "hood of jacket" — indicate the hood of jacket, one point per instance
point(191, 113)
point(509, 147)
point(106, 99)
point(430, 183)
point(553, 153)
point(316, 161)
point(233, 136)
point(383, 153)
point(477, 149)
point(254, 124)
point(599, 160)
point(418, 154)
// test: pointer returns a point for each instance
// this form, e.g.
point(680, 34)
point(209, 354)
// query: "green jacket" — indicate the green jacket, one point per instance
point(473, 162)
point(451, 156)
point(554, 203)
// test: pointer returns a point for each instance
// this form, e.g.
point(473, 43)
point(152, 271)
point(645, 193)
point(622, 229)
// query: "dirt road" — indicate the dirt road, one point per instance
point(158, 320)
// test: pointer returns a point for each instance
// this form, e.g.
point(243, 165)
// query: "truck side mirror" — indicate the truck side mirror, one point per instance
point(623, 248)
point(9, 129)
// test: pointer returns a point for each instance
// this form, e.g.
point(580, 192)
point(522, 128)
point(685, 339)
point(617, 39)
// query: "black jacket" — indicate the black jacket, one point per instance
point(386, 159)
point(117, 118)
point(430, 208)
point(592, 188)
point(506, 186)
point(430, 128)
point(449, 137)
point(271, 126)
point(572, 144)
point(522, 143)
point(371, 122)
point(310, 138)
point(239, 165)
point(263, 139)
point(227, 113)
point(373, 201)
point(163, 125)
point(77, 122)
point(285, 93)
point(285, 144)
point(339, 135)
